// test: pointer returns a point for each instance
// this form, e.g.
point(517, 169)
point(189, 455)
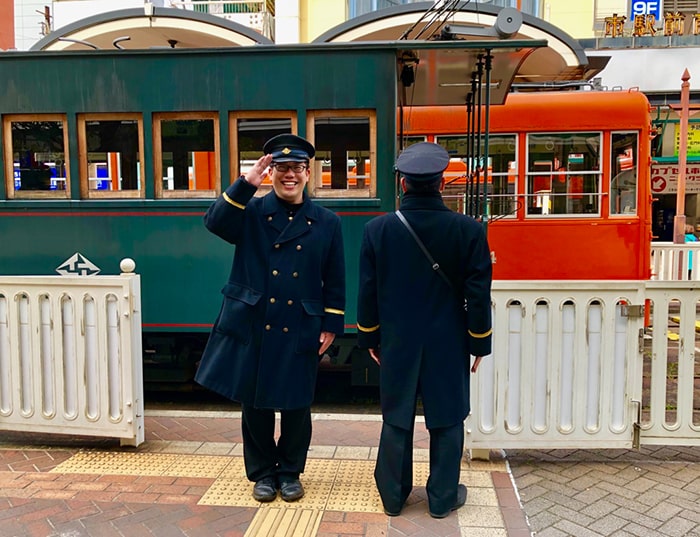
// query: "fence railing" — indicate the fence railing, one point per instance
point(258, 15)
point(671, 262)
point(70, 355)
point(589, 364)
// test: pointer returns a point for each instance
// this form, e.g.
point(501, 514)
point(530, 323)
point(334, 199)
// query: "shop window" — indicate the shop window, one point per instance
point(111, 155)
point(345, 164)
point(36, 156)
point(623, 173)
point(186, 155)
point(463, 188)
point(563, 174)
point(249, 132)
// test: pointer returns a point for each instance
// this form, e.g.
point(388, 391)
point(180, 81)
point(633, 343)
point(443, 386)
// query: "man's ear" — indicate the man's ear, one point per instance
point(403, 185)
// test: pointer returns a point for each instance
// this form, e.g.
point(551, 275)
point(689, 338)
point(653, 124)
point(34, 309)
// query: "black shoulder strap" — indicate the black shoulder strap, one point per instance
point(433, 263)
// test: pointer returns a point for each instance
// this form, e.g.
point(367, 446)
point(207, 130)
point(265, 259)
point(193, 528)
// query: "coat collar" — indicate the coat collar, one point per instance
point(277, 216)
point(423, 201)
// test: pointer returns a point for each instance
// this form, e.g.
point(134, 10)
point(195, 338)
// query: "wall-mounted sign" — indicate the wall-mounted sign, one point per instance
point(646, 7)
point(693, 149)
point(664, 178)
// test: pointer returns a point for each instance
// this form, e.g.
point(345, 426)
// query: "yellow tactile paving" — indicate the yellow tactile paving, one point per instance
point(355, 498)
point(280, 522)
point(198, 466)
point(117, 463)
point(231, 492)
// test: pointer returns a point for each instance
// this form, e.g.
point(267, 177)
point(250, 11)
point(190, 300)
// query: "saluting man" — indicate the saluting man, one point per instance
point(283, 305)
point(416, 328)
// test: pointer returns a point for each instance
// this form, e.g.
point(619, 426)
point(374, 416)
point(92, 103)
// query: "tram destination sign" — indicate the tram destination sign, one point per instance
point(664, 178)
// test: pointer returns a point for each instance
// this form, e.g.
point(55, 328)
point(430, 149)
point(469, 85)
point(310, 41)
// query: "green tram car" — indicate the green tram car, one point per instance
point(114, 154)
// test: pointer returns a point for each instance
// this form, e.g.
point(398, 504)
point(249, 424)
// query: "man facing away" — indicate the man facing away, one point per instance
point(416, 328)
point(283, 305)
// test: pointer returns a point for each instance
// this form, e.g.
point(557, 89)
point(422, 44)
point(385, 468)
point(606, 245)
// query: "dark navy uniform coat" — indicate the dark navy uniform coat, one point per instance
point(425, 335)
point(286, 286)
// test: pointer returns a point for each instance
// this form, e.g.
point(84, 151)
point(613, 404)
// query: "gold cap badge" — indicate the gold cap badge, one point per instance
point(286, 151)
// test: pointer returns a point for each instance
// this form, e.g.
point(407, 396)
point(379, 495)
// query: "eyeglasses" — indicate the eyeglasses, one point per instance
point(284, 168)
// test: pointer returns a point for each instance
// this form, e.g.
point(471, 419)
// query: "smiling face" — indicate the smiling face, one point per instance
point(289, 180)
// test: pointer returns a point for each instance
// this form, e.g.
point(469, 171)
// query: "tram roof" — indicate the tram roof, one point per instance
point(442, 70)
point(562, 59)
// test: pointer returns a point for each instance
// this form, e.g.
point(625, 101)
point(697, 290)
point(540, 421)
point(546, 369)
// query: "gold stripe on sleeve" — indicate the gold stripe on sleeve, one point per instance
point(234, 203)
point(479, 336)
point(364, 329)
point(331, 310)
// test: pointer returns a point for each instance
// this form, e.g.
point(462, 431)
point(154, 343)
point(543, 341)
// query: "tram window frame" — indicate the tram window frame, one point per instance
point(85, 191)
point(160, 192)
point(553, 168)
point(510, 140)
point(235, 162)
point(8, 152)
point(315, 185)
point(614, 164)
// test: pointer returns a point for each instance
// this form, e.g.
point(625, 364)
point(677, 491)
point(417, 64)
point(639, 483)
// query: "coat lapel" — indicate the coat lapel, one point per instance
point(278, 219)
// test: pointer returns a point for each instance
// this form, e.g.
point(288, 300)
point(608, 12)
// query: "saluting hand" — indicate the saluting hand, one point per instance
point(257, 174)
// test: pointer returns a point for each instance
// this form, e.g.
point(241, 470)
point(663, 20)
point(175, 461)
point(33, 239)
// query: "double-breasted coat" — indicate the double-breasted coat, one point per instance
point(286, 286)
point(408, 311)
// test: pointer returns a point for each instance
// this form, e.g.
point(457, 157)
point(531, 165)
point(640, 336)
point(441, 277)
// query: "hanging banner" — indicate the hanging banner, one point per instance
point(664, 178)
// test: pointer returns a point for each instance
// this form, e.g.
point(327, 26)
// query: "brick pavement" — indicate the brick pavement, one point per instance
point(616, 492)
point(187, 480)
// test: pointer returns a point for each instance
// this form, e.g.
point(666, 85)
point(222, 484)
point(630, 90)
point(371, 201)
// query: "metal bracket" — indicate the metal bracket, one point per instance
point(632, 312)
point(637, 426)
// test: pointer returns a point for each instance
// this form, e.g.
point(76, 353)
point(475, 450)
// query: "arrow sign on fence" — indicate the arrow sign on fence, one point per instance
point(77, 265)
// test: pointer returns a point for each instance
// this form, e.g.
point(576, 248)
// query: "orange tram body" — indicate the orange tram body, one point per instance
point(567, 191)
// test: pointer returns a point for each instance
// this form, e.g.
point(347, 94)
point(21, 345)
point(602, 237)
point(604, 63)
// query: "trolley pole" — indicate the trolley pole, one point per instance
point(679, 219)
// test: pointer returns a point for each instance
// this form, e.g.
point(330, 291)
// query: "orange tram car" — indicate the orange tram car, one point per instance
point(566, 192)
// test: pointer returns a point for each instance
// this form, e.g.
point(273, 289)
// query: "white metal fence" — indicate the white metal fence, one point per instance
point(671, 262)
point(70, 356)
point(589, 364)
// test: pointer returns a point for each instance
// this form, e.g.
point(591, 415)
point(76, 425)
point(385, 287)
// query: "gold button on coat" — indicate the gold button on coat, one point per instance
point(277, 245)
point(298, 246)
point(267, 327)
point(290, 302)
point(275, 272)
point(272, 300)
point(285, 329)
point(295, 274)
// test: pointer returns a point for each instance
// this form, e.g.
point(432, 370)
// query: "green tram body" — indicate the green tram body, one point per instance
point(182, 265)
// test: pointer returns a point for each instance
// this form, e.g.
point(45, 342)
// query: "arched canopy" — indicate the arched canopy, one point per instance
point(148, 28)
point(563, 59)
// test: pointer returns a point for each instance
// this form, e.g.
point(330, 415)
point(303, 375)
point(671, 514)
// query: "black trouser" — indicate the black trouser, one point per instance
point(284, 459)
point(394, 470)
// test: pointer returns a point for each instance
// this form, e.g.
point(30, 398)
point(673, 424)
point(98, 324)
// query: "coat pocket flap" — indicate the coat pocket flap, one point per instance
point(244, 294)
point(312, 307)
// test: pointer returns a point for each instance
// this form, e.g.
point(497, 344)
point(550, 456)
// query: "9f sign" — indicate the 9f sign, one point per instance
point(641, 7)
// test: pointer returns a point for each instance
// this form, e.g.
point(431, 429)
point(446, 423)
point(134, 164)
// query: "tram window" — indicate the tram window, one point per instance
point(36, 152)
point(345, 143)
point(563, 174)
point(111, 155)
point(186, 152)
point(500, 187)
point(249, 132)
point(623, 173)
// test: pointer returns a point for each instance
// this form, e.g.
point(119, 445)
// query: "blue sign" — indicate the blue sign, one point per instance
point(646, 7)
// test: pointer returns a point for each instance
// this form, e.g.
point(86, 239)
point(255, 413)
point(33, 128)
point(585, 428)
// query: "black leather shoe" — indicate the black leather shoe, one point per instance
point(265, 490)
point(391, 513)
point(291, 491)
point(461, 500)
